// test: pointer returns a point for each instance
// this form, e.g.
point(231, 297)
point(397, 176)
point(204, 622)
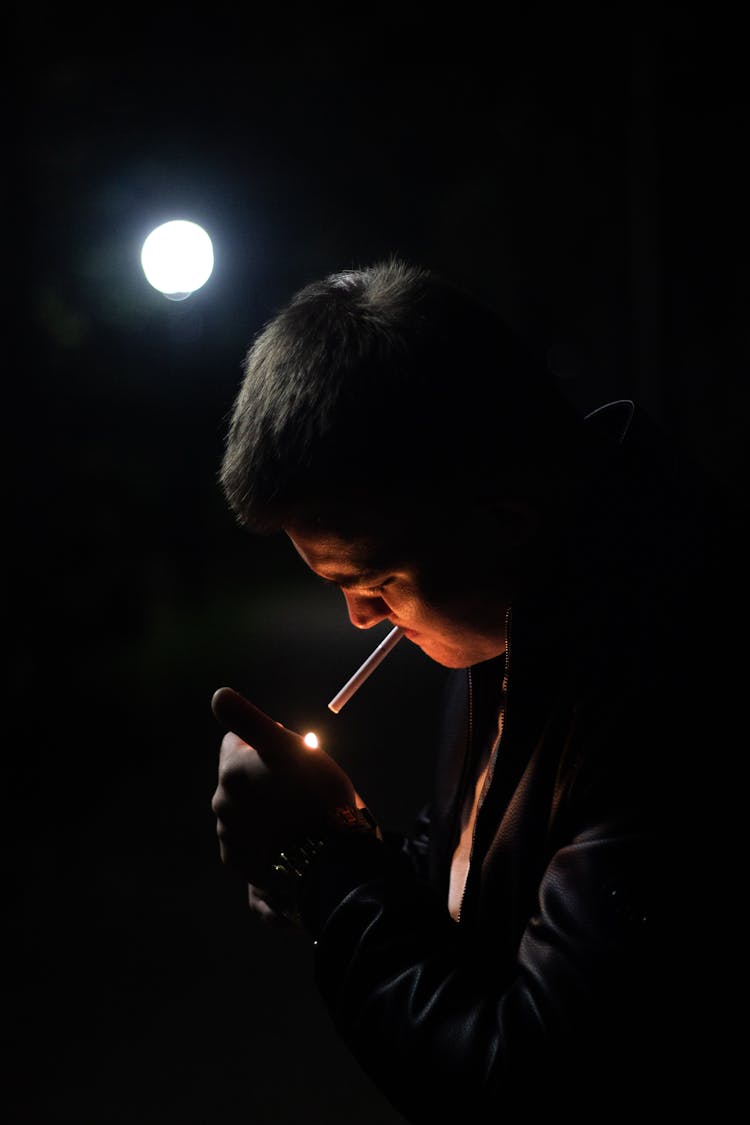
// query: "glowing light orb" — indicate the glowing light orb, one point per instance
point(177, 258)
point(311, 740)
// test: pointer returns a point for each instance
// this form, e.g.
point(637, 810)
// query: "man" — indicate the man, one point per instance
point(540, 943)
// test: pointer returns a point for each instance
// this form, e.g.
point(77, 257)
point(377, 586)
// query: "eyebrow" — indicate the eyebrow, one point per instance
point(346, 580)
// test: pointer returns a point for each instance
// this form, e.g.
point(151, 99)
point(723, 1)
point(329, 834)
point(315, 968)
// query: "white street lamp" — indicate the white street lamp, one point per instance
point(177, 258)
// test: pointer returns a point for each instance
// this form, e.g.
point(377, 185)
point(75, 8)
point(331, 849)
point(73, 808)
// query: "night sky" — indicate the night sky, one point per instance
point(583, 167)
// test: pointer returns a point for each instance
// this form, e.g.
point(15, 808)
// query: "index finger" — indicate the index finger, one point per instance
point(273, 742)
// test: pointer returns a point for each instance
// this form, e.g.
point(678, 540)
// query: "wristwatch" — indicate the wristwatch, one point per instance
point(290, 867)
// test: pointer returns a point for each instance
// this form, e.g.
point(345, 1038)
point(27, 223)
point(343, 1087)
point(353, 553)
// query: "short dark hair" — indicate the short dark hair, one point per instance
point(378, 382)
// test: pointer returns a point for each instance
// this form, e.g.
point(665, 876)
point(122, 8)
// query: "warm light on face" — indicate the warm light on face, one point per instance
point(311, 740)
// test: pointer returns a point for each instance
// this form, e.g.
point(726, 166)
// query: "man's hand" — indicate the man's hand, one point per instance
point(263, 905)
point(273, 790)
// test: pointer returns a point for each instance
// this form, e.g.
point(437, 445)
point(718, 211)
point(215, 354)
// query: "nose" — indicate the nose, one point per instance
point(364, 612)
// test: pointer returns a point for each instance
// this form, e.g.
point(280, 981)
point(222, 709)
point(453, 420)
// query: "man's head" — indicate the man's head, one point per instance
point(379, 387)
point(388, 417)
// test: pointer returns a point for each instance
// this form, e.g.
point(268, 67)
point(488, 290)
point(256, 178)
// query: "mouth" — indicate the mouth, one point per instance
point(410, 634)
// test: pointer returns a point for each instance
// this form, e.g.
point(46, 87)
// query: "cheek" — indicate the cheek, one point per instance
point(403, 602)
point(435, 597)
point(457, 609)
point(416, 611)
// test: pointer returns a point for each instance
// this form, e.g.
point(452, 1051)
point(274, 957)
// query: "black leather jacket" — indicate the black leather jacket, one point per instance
point(564, 986)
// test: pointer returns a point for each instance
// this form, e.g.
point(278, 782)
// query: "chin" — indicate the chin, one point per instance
point(446, 654)
point(453, 654)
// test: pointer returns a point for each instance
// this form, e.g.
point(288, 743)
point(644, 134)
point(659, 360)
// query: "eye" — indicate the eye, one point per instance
point(373, 591)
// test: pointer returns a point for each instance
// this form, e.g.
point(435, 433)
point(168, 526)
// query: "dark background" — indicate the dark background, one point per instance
point(581, 166)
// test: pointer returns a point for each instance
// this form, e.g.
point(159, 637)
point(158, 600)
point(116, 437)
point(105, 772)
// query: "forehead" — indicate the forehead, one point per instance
point(344, 558)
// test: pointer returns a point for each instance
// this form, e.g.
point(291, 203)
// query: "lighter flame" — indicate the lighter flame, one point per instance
point(311, 740)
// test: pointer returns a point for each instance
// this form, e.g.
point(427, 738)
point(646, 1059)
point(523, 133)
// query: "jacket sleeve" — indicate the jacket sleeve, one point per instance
point(442, 1026)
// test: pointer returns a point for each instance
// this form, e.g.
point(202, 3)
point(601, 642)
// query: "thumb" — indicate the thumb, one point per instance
point(273, 742)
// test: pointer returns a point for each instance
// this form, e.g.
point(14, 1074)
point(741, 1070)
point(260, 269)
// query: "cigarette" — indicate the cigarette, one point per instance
point(363, 673)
